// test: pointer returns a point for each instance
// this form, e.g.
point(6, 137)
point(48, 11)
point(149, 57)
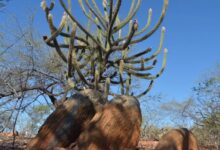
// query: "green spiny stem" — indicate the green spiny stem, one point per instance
point(117, 23)
point(96, 79)
point(104, 4)
point(117, 82)
point(88, 59)
point(130, 25)
point(131, 67)
point(107, 87)
point(70, 5)
point(92, 64)
point(51, 6)
point(71, 49)
point(60, 28)
point(155, 27)
point(76, 66)
point(71, 83)
point(67, 46)
point(138, 55)
point(45, 8)
point(76, 37)
point(131, 14)
point(143, 29)
point(100, 37)
point(68, 23)
point(162, 68)
point(154, 62)
point(140, 75)
point(112, 21)
point(133, 30)
point(128, 40)
point(99, 12)
point(50, 23)
point(147, 24)
point(55, 42)
point(110, 11)
point(142, 63)
point(147, 35)
point(100, 66)
point(82, 76)
point(128, 84)
point(88, 15)
point(79, 25)
point(127, 59)
point(89, 24)
point(146, 91)
point(43, 5)
point(113, 75)
point(121, 69)
point(125, 53)
point(59, 51)
point(100, 18)
point(80, 54)
point(156, 53)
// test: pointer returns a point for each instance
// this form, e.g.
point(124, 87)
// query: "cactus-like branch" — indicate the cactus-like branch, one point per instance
point(110, 11)
point(104, 4)
point(124, 46)
point(128, 84)
point(147, 35)
point(162, 68)
point(88, 14)
point(112, 19)
point(55, 32)
point(96, 14)
point(99, 12)
point(71, 49)
point(138, 55)
point(107, 87)
point(79, 25)
point(98, 54)
point(121, 70)
point(140, 31)
point(147, 90)
point(76, 37)
point(155, 27)
point(128, 40)
point(154, 55)
point(130, 15)
point(147, 24)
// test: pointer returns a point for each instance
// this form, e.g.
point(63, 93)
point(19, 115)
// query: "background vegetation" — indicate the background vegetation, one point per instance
point(27, 64)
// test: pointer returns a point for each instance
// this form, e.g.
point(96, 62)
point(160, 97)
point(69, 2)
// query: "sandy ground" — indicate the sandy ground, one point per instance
point(20, 143)
point(6, 143)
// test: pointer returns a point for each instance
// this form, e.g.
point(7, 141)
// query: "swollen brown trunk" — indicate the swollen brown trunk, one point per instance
point(178, 139)
point(116, 126)
point(66, 123)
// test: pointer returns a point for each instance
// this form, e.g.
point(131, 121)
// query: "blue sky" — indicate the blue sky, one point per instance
point(192, 37)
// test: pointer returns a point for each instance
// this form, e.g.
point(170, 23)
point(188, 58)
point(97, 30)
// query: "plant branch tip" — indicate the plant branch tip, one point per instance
point(64, 18)
point(135, 24)
point(43, 4)
point(104, 3)
point(165, 50)
point(50, 16)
